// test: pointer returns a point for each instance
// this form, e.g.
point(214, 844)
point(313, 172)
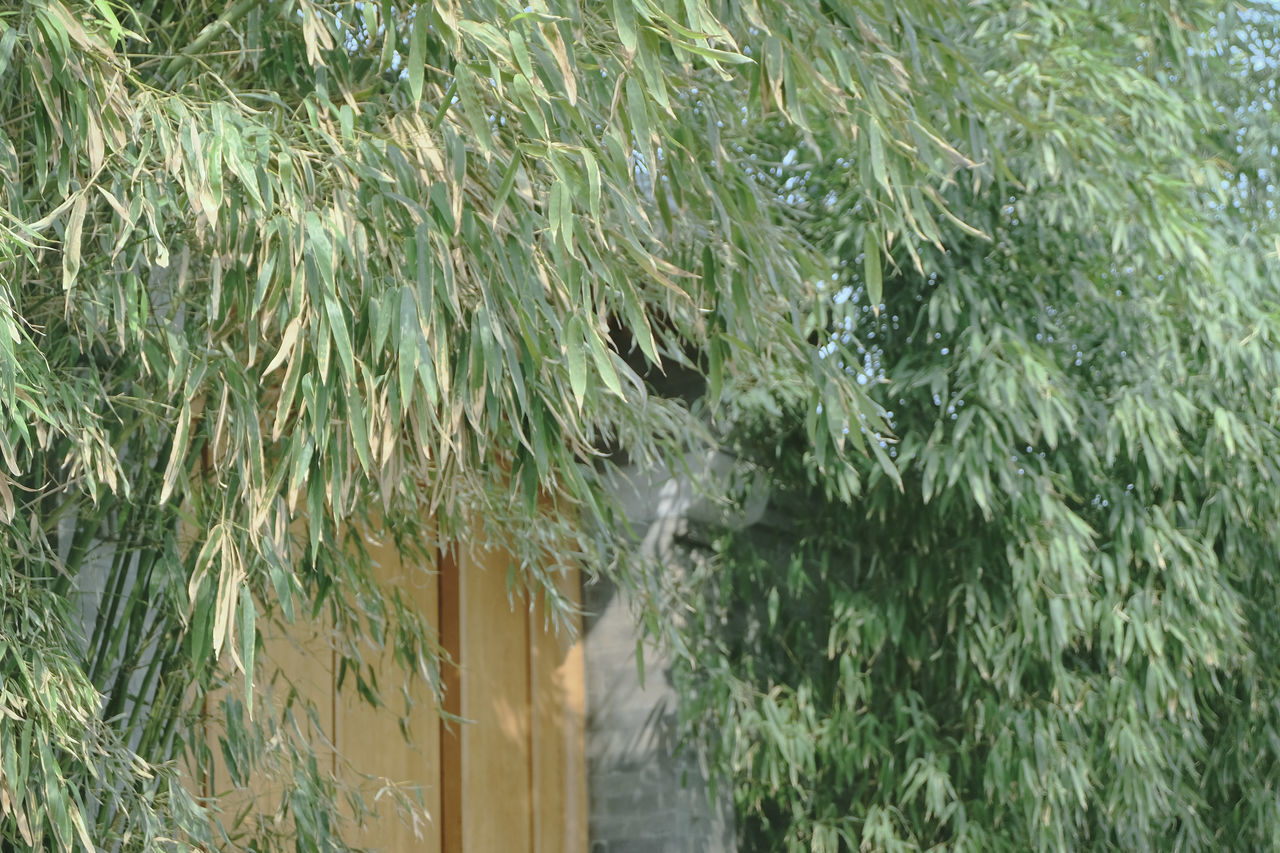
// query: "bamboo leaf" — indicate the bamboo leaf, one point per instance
point(871, 269)
point(416, 63)
point(624, 18)
point(248, 643)
point(604, 364)
point(71, 241)
point(573, 348)
point(287, 341)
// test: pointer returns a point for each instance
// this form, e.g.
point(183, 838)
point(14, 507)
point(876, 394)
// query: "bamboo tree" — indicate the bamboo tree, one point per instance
point(1049, 625)
point(282, 267)
point(276, 273)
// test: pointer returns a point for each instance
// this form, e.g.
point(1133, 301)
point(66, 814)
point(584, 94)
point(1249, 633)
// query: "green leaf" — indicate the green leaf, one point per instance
point(638, 112)
point(71, 241)
point(504, 188)
point(248, 629)
point(416, 64)
point(573, 347)
point(624, 18)
point(593, 183)
point(871, 271)
point(604, 364)
point(473, 107)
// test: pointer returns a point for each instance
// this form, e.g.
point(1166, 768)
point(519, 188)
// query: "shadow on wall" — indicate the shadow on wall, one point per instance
point(642, 798)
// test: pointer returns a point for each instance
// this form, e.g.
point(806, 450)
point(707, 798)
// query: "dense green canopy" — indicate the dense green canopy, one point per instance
point(279, 267)
point(1054, 626)
point(271, 272)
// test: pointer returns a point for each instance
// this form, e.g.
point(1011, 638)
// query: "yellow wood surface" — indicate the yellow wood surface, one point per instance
point(496, 761)
point(376, 758)
point(450, 733)
point(510, 780)
point(559, 730)
point(294, 667)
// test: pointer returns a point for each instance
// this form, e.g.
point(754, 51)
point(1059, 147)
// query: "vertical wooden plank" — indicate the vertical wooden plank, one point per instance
point(510, 779)
point(371, 739)
point(450, 733)
point(294, 668)
point(559, 730)
point(293, 658)
point(496, 759)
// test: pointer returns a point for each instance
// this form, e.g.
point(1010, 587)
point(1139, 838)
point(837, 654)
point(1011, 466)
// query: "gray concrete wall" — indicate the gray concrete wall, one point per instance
point(642, 797)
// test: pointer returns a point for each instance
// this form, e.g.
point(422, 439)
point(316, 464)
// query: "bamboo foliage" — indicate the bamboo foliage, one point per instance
point(273, 275)
point(1051, 625)
point(271, 270)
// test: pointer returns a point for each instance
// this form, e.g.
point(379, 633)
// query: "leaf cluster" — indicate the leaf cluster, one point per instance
point(1050, 625)
point(277, 277)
